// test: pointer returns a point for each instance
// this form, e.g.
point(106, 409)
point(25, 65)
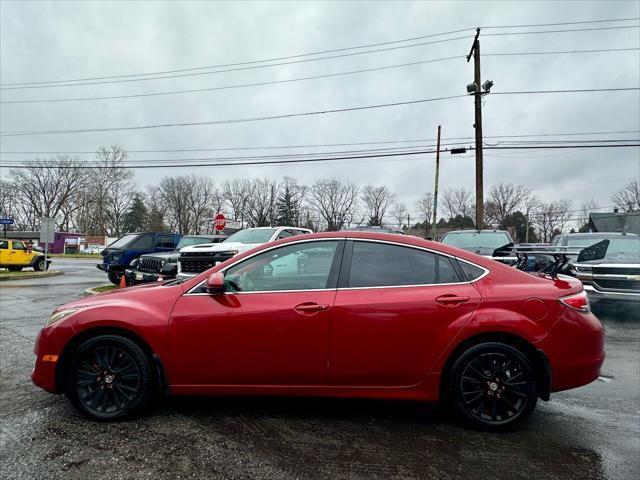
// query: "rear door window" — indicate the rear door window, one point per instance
point(165, 241)
point(143, 242)
point(4, 244)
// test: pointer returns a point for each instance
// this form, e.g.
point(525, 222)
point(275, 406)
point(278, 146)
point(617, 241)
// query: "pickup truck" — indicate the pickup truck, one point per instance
point(118, 255)
point(482, 242)
point(16, 255)
point(616, 277)
point(198, 258)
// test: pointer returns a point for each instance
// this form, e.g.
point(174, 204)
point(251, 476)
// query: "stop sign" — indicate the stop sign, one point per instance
point(219, 222)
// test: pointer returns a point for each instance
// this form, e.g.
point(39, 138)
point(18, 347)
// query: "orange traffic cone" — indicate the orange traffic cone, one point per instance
point(123, 282)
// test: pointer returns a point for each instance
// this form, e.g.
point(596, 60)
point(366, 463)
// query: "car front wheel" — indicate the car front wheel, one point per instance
point(492, 386)
point(114, 277)
point(109, 377)
point(40, 265)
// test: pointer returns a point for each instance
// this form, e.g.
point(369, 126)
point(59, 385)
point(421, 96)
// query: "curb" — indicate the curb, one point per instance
point(91, 291)
point(52, 273)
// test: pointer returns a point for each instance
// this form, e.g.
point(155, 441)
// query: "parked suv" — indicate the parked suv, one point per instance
point(151, 267)
point(198, 258)
point(118, 255)
point(16, 255)
point(614, 278)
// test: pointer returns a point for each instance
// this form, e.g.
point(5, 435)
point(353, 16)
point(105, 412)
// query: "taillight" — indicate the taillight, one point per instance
point(579, 301)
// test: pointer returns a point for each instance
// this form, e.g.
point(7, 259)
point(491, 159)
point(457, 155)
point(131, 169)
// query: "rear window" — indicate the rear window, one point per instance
point(471, 271)
point(476, 240)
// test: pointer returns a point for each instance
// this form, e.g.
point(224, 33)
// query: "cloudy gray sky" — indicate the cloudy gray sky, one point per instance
point(44, 41)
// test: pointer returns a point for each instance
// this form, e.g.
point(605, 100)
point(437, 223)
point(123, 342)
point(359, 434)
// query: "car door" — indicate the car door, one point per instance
point(396, 309)
point(270, 327)
point(18, 254)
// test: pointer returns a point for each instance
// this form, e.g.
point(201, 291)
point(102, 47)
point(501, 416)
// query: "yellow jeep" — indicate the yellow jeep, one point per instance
point(15, 255)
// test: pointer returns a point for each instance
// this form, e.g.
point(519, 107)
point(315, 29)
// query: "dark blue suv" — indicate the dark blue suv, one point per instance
point(118, 255)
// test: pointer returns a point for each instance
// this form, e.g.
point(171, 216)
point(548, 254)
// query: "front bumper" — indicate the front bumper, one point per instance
point(136, 276)
point(108, 267)
point(596, 295)
point(48, 351)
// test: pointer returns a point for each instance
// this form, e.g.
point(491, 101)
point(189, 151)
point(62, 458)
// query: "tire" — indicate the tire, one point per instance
point(492, 387)
point(114, 277)
point(40, 265)
point(109, 378)
point(14, 269)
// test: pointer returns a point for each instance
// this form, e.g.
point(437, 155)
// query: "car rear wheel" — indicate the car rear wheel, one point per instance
point(114, 277)
point(40, 265)
point(109, 377)
point(492, 386)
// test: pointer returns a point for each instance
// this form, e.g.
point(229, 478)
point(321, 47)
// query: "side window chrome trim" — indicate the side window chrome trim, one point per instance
point(484, 274)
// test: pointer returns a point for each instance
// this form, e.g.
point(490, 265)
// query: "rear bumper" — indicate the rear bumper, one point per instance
point(575, 350)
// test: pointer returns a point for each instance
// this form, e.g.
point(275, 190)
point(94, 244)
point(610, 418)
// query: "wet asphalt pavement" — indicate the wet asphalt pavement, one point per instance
point(589, 433)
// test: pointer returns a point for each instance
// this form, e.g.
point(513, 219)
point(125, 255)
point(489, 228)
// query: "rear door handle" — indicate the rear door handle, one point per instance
point(451, 300)
point(310, 307)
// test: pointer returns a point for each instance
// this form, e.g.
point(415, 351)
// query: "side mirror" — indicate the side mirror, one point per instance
point(215, 283)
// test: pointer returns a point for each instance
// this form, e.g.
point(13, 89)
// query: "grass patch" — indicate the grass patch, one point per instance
point(76, 255)
point(7, 273)
point(104, 288)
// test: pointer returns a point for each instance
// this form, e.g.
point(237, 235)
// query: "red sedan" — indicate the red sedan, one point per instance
point(347, 314)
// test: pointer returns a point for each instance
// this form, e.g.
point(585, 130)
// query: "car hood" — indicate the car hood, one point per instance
point(220, 247)
point(113, 297)
point(166, 256)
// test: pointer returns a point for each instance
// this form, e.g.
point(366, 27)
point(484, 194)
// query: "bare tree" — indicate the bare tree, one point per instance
point(503, 200)
point(261, 202)
point(334, 201)
point(425, 207)
point(45, 187)
point(176, 193)
point(204, 202)
point(628, 199)
point(457, 203)
point(376, 202)
point(552, 218)
point(155, 209)
point(399, 213)
point(235, 193)
point(585, 209)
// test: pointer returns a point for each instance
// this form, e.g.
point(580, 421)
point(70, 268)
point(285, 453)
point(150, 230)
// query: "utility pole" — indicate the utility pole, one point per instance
point(435, 188)
point(408, 221)
point(475, 51)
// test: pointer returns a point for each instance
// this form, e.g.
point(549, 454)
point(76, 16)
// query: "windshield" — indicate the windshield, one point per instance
point(186, 241)
point(476, 239)
point(617, 245)
point(123, 241)
point(252, 235)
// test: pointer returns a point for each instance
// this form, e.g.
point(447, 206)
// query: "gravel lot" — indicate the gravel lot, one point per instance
point(591, 432)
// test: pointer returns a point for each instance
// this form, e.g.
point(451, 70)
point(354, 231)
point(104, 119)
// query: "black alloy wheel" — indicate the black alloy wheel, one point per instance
point(109, 378)
point(492, 386)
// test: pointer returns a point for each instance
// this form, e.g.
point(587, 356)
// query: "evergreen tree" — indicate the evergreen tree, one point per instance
point(137, 217)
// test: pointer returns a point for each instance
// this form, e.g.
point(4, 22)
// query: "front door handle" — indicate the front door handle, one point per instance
point(451, 300)
point(310, 307)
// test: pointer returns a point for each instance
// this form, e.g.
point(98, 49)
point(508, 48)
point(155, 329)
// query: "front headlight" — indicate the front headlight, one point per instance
point(162, 262)
point(56, 317)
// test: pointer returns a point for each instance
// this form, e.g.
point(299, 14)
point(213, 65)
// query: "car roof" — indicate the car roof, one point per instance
point(475, 231)
point(599, 234)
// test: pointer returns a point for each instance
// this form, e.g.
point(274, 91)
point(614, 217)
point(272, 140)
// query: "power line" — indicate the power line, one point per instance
point(564, 23)
point(559, 52)
point(102, 82)
point(559, 31)
point(227, 87)
point(229, 121)
point(321, 52)
point(277, 147)
point(291, 115)
point(252, 62)
point(299, 160)
point(299, 79)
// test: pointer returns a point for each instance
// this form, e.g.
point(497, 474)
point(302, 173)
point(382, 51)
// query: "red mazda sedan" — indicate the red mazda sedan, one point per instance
point(347, 314)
